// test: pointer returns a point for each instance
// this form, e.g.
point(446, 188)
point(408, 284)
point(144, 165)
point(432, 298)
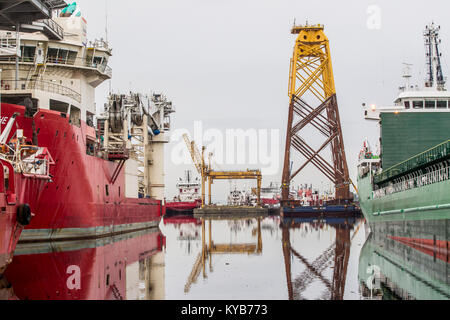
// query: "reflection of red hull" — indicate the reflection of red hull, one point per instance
point(53, 275)
point(431, 247)
point(182, 207)
point(77, 204)
point(181, 219)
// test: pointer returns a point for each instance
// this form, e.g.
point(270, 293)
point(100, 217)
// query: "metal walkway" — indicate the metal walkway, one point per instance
point(13, 12)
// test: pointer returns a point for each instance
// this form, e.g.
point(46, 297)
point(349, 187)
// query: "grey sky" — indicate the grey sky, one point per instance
point(226, 63)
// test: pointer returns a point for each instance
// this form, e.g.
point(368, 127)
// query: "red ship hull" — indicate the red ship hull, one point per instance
point(88, 270)
point(82, 201)
point(10, 231)
point(182, 207)
point(21, 190)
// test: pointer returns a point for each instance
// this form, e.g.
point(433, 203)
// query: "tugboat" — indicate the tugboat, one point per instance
point(271, 195)
point(404, 191)
point(188, 198)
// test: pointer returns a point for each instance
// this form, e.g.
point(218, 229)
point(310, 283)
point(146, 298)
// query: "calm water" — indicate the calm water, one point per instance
point(261, 258)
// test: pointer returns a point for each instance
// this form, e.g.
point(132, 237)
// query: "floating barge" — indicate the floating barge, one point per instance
point(230, 212)
point(324, 210)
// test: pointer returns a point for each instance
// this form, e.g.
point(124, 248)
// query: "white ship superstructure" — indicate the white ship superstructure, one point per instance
point(51, 65)
point(189, 188)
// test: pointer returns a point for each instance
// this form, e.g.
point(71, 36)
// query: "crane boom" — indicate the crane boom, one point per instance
point(195, 154)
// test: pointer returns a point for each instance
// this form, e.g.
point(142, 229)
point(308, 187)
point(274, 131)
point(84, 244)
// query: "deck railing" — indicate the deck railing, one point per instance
point(437, 173)
point(10, 85)
point(437, 153)
point(102, 68)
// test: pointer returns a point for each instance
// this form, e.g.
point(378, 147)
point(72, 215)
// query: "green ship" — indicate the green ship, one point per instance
point(404, 192)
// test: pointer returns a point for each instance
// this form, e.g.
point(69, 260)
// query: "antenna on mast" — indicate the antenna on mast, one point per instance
point(406, 74)
point(106, 20)
point(435, 77)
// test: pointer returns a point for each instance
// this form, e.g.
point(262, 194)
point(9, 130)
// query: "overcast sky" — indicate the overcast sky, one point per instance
point(226, 63)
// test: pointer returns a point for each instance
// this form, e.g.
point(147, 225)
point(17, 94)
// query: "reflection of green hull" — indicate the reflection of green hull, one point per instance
point(430, 202)
point(404, 270)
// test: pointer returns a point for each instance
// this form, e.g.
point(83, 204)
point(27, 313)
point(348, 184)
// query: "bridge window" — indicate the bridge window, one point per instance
point(28, 53)
point(430, 104)
point(90, 119)
point(61, 56)
point(418, 104)
point(407, 105)
point(71, 57)
point(59, 106)
point(90, 147)
point(75, 116)
point(441, 104)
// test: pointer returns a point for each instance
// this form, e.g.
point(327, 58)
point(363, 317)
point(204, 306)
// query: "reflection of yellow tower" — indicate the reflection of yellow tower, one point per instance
point(205, 256)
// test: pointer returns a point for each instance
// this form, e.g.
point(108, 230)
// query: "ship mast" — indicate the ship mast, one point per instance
point(434, 68)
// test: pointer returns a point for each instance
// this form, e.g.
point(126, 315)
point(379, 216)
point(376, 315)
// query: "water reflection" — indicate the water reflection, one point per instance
point(205, 257)
point(271, 257)
point(129, 266)
point(264, 258)
point(393, 268)
point(335, 256)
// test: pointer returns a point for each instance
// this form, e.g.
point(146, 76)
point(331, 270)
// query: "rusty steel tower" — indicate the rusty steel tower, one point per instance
point(313, 104)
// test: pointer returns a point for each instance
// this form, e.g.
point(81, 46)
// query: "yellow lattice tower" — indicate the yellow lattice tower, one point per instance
point(311, 78)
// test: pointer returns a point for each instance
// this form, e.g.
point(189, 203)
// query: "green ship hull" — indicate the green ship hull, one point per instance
point(420, 214)
point(430, 202)
point(389, 269)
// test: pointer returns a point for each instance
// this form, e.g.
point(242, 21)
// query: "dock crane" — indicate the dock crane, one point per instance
point(209, 175)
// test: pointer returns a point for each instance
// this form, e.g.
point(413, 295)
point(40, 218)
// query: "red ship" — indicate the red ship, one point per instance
point(123, 267)
point(107, 179)
point(188, 197)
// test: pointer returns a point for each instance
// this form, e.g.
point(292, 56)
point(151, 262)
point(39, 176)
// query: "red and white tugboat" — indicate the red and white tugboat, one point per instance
point(188, 198)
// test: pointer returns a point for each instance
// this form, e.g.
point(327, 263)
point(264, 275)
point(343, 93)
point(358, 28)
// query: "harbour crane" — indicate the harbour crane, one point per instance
point(209, 175)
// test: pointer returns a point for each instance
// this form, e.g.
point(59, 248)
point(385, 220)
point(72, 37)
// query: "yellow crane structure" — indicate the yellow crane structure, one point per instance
point(208, 175)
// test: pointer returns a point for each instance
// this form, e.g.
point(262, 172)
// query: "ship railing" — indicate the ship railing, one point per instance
point(8, 46)
point(436, 173)
point(53, 26)
point(34, 161)
point(47, 86)
point(434, 154)
point(83, 62)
